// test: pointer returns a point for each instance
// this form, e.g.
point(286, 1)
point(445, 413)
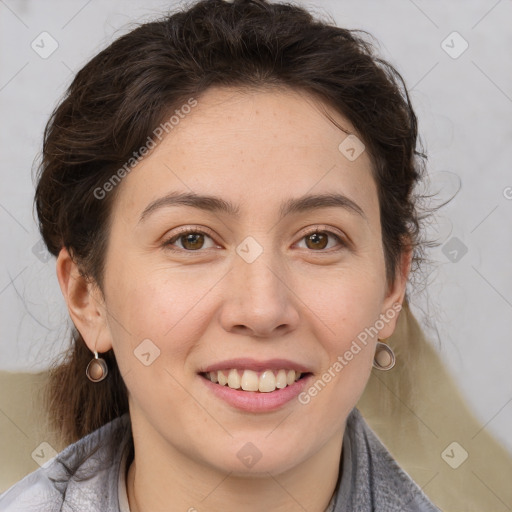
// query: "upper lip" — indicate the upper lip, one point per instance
point(246, 363)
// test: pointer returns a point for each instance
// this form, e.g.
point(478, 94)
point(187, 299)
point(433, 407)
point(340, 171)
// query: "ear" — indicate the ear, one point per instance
point(85, 304)
point(393, 301)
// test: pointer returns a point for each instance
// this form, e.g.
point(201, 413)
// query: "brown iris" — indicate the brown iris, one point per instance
point(319, 240)
point(192, 240)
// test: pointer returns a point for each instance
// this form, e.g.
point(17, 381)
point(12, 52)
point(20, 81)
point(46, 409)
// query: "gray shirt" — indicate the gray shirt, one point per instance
point(89, 476)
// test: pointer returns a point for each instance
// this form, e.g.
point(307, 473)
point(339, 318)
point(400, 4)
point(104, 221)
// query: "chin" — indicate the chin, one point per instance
point(257, 459)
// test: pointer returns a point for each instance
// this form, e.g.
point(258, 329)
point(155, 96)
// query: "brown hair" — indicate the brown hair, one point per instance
point(117, 99)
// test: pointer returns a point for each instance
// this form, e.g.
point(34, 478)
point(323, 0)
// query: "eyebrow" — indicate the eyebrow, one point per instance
point(217, 204)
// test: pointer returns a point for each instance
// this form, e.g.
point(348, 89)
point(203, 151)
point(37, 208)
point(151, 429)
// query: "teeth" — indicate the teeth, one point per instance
point(233, 379)
point(222, 379)
point(281, 379)
point(250, 381)
point(265, 382)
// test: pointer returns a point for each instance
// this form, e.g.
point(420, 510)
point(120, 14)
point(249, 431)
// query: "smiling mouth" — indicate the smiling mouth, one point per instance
point(250, 380)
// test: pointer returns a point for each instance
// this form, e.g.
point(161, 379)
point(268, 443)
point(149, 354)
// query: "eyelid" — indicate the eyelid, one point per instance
point(320, 228)
point(342, 239)
point(183, 230)
point(192, 228)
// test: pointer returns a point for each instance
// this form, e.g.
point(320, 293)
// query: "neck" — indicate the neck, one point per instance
point(309, 486)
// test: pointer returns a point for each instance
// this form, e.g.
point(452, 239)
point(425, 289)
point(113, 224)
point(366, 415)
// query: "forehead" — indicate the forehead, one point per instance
point(254, 147)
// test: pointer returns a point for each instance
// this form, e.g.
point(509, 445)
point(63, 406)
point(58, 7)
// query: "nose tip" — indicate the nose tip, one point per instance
point(258, 330)
point(260, 303)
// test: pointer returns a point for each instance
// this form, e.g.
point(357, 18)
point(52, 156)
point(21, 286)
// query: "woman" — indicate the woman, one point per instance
point(228, 193)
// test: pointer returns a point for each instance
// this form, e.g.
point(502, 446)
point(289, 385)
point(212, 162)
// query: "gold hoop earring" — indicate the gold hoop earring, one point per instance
point(97, 368)
point(384, 358)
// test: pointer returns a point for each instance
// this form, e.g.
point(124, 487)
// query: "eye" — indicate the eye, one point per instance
point(191, 239)
point(318, 240)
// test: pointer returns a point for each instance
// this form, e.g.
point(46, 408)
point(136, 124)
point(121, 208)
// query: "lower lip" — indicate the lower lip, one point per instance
point(255, 401)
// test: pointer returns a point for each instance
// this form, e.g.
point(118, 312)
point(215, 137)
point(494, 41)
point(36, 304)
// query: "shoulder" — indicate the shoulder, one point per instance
point(83, 476)
point(379, 482)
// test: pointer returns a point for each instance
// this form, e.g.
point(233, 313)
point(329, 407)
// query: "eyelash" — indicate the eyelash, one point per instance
point(185, 231)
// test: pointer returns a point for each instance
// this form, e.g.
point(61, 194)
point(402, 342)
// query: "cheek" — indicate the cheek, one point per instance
point(347, 303)
point(349, 308)
point(162, 306)
point(155, 322)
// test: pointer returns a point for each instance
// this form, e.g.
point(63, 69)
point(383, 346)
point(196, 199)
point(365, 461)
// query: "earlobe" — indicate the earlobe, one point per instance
point(85, 303)
point(396, 293)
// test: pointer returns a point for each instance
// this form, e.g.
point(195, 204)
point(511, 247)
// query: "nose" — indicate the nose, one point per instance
point(260, 300)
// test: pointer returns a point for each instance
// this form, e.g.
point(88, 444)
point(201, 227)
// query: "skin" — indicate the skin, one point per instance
point(254, 148)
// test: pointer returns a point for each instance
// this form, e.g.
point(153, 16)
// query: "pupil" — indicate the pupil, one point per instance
point(192, 238)
point(318, 239)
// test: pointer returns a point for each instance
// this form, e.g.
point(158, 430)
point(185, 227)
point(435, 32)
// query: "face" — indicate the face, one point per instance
point(272, 282)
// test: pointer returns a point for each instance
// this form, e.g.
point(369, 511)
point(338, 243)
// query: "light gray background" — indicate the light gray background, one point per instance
point(464, 106)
